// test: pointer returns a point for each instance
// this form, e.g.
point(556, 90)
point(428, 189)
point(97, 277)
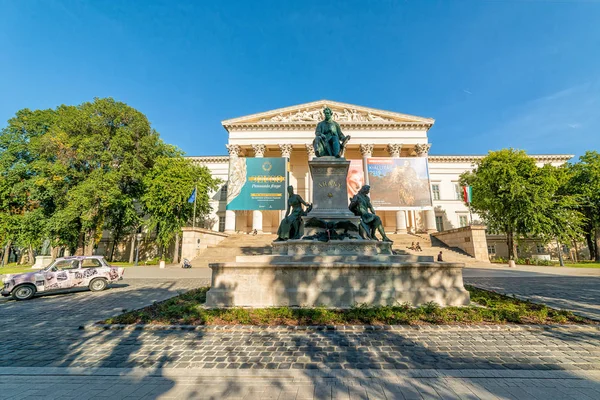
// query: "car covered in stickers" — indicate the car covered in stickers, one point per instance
point(64, 273)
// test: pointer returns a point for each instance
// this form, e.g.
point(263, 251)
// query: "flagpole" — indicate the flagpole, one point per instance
point(194, 217)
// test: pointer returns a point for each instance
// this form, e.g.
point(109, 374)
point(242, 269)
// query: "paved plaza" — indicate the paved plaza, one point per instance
point(46, 355)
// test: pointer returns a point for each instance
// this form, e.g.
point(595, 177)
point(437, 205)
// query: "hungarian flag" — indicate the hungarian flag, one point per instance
point(467, 194)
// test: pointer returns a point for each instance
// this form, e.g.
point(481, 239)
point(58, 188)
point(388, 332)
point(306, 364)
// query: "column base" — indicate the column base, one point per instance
point(401, 232)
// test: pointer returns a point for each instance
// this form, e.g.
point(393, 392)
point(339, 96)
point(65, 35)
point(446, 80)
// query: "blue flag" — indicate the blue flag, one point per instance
point(192, 197)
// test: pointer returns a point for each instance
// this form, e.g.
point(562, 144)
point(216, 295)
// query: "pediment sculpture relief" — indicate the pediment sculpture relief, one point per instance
point(345, 115)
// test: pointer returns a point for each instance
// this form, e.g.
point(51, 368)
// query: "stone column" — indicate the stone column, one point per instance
point(366, 150)
point(257, 216)
point(401, 222)
point(286, 151)
point(430, 221)
point(234, 153)
point(310, 151)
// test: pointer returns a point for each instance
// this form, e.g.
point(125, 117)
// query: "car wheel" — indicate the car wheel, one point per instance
point(23, 292)
point(98, 284)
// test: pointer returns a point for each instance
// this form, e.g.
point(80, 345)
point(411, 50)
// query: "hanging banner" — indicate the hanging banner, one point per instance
point(257, 184)
point(356, 177)
point(399, 182)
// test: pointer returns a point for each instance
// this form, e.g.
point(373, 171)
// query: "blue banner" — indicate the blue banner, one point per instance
point(257, 184)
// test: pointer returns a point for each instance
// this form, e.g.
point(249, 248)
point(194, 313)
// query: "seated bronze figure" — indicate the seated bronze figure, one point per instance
point(360, 205)
point(291, 227)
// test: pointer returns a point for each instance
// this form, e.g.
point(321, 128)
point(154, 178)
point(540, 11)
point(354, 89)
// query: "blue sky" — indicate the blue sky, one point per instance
point(498, 73)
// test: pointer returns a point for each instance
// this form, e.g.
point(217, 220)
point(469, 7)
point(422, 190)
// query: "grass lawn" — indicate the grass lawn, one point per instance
point(588, 264)
point(494, 308)
point(13, 268)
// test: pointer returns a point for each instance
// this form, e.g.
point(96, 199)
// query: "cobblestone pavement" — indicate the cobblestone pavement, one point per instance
point(578, 294)
point(42, 335)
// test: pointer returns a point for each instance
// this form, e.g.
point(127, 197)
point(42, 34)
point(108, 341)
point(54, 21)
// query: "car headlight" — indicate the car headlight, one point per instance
point(6, 279)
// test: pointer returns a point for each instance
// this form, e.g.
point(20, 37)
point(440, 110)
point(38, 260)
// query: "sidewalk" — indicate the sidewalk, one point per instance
point(115, 383)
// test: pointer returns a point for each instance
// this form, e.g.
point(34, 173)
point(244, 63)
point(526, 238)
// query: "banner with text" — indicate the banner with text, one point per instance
point(399, 182)
point(257, 184)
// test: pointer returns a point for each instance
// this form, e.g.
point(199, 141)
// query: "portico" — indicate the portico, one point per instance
point(289, 132)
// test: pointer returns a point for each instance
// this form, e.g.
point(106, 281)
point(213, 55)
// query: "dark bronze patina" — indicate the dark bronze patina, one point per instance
point(329, 140)
point(330, 230)
point(291, 226)
point(360, 205)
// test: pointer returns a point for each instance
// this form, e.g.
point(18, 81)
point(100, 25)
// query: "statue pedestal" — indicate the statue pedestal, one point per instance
point(336, 273)
point(42, 262)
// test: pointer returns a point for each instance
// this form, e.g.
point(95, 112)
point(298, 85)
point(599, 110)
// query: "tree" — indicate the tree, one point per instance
point(585, 184)
point(80, 168)
point(519, 199)
point(168, 187)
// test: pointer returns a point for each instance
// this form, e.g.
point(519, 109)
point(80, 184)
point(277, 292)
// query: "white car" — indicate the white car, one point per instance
point(63, 274)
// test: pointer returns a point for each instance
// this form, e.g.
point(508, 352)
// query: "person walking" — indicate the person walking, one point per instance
point(439, 257)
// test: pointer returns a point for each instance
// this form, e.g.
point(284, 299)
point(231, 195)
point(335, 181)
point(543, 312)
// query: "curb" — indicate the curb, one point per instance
point(337, 328)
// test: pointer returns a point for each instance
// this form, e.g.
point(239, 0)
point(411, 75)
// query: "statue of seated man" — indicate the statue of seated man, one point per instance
point(292, 227)
point(360, 205)
point(329, 140)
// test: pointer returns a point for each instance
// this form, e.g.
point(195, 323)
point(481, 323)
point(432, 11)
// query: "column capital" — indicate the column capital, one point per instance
point(422, 149)
point(366, 150)
point(234, 150)
point(286, 150)
point(259, 150)
point(394, 149)
point(310, 149)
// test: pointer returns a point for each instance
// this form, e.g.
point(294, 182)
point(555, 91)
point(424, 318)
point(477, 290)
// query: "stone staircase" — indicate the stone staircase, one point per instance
point(232, 246)
point(403, 242)
point(248, 245)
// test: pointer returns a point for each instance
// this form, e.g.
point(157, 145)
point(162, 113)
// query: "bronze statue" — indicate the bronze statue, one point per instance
point(291, 226)
point(329, 140)
point(330, 230)
point(360, 205)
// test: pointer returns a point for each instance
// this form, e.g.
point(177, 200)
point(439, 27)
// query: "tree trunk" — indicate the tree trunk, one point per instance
point(6, 252)
point(597, 245)
point(79, 250)
point(176, 249)
point(132, 250)
point(89, 242)
point(510, 243)
point(31, 257)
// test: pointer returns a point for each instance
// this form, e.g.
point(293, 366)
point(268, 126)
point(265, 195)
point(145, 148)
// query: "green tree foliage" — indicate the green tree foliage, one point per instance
point(67, 173)
point(168, 187)
point(585, 184)
point(520, 199)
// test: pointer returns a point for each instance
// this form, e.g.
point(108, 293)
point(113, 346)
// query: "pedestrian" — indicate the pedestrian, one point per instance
point(418, 247)
point(412, 246)
point(440, 259)
point(254, 232)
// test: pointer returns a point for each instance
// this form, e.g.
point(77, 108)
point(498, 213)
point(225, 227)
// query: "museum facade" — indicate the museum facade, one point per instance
point(289, 132)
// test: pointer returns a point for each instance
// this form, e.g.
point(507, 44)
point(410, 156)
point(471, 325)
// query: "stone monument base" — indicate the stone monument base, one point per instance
point(335, 281)
point(42, 262)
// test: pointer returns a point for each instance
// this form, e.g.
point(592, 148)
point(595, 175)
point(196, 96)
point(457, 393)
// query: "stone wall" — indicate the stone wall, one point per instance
point(197, 239)
point(470, 239)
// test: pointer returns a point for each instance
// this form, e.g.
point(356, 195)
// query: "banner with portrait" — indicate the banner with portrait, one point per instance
point(257, 184)
point(399, 182)
point(356, 177)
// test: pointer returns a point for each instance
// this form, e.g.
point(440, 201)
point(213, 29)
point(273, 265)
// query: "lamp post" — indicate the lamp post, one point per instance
point(138, 237)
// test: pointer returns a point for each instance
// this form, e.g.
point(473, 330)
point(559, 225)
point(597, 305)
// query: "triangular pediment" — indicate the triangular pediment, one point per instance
point(313, 112)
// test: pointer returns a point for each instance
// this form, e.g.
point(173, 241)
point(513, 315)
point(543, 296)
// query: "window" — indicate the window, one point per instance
point(439, 223)
point(491, 249)
point(66, 264)
point(541, 249)
point(90, 263)
point(463, 220)
point(221, 224)
point(223, 193)
point(458, 191)
point(435, 189)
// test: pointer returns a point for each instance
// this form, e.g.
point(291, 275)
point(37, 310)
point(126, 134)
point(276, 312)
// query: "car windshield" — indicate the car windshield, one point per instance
point(62, 264)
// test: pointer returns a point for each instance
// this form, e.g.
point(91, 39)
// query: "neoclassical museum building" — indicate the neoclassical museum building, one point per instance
point(289, 132)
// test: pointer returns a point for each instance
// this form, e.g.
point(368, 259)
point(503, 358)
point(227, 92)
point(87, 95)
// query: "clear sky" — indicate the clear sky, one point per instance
point(497, 73)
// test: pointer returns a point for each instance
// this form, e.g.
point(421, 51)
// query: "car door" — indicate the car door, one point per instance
point(62, 275)
point(88, 271)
